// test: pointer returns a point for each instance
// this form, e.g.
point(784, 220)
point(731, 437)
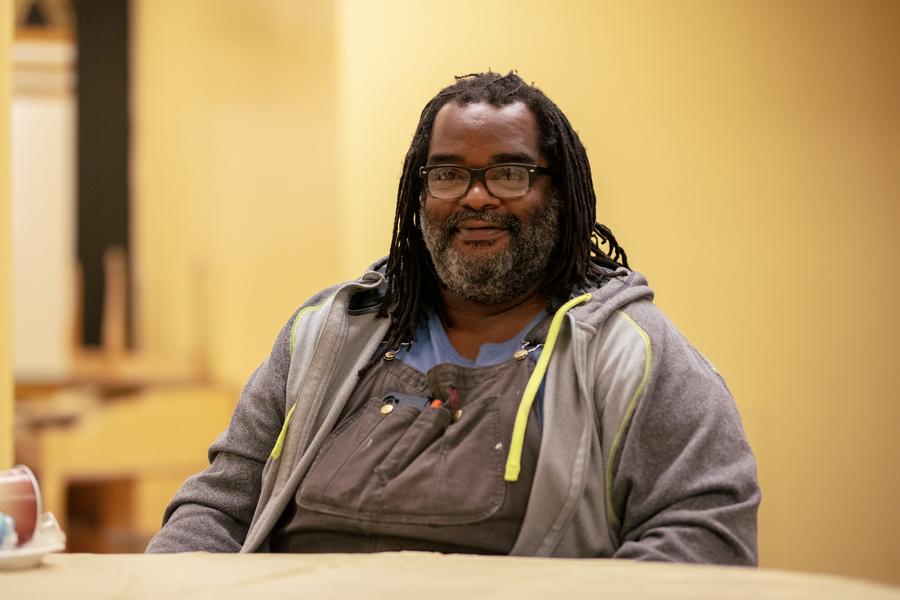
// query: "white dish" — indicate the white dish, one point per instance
point(27, 556)
point(48, 537)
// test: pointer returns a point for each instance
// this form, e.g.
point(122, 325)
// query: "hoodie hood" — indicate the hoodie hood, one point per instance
point(622, 288)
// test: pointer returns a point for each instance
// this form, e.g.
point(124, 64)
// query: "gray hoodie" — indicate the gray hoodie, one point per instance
point(642, 452)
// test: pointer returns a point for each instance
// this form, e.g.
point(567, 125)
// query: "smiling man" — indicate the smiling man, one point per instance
point(480, 253)
point(501, 384)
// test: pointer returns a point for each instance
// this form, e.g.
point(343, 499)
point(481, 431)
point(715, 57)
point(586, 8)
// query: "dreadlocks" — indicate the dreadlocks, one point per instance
point(578, 258)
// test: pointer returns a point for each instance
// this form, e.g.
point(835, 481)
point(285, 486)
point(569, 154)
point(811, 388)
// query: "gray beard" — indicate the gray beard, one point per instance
point(498, 276)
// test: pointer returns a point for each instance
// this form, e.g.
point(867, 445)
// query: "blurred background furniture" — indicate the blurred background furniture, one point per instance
point(107, 467)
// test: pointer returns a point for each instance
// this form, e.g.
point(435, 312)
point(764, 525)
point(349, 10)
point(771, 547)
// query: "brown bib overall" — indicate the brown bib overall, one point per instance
point(401, 473)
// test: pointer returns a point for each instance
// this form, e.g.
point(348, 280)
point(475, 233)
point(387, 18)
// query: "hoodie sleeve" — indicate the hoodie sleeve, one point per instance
point(213, 509)
point(684, 486)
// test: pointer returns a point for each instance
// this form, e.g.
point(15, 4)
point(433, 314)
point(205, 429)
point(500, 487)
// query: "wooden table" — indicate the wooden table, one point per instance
point(409, 575)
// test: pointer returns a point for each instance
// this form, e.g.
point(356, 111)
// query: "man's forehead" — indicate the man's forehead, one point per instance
point(461, 129)
point(484, 112)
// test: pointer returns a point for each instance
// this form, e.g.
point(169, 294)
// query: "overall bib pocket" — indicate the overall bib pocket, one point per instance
point(404, 464)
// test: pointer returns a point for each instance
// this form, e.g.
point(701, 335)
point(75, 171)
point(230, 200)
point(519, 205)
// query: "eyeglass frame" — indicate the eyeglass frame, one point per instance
point(478, 175)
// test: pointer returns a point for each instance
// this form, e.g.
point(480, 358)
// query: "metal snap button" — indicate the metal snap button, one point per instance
point(520, 354)
point(457, 414)
point(386, 409)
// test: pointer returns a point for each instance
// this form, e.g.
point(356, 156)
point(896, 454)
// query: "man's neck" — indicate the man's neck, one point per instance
point(470, 324)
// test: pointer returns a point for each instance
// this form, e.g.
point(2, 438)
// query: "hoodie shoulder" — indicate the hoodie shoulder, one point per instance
point(622, 289)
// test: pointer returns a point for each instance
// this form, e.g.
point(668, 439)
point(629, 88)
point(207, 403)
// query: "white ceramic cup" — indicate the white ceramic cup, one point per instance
point(20, 498)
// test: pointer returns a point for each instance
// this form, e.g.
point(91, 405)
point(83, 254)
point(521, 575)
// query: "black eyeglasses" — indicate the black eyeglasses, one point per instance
point(504, 181)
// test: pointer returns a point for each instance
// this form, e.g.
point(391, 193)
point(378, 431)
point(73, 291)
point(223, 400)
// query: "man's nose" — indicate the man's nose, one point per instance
point(478, 198)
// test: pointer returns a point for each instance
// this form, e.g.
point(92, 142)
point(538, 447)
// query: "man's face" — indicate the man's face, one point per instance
point(485, 249)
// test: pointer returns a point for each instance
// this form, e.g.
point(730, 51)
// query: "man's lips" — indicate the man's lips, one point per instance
point(471, 232)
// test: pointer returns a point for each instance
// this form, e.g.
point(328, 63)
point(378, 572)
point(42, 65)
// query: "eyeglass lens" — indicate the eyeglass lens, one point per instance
point(502, 181)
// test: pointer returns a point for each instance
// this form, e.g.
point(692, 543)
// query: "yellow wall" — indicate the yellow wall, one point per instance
point(744, 154)
point(233, 171)
point(6, 402)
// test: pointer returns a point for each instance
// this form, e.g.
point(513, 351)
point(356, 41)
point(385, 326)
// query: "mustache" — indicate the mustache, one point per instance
point(503, 221)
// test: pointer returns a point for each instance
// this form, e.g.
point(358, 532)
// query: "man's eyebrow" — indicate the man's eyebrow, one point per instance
point(439, 159)
point(514, 157)
point(505, 157)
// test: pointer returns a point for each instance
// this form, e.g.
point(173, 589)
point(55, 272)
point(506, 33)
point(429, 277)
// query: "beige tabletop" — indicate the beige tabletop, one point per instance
point(408, 575)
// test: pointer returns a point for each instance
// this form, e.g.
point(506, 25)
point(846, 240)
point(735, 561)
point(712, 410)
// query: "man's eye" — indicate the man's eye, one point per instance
point(447, 175)
point(508, 174)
